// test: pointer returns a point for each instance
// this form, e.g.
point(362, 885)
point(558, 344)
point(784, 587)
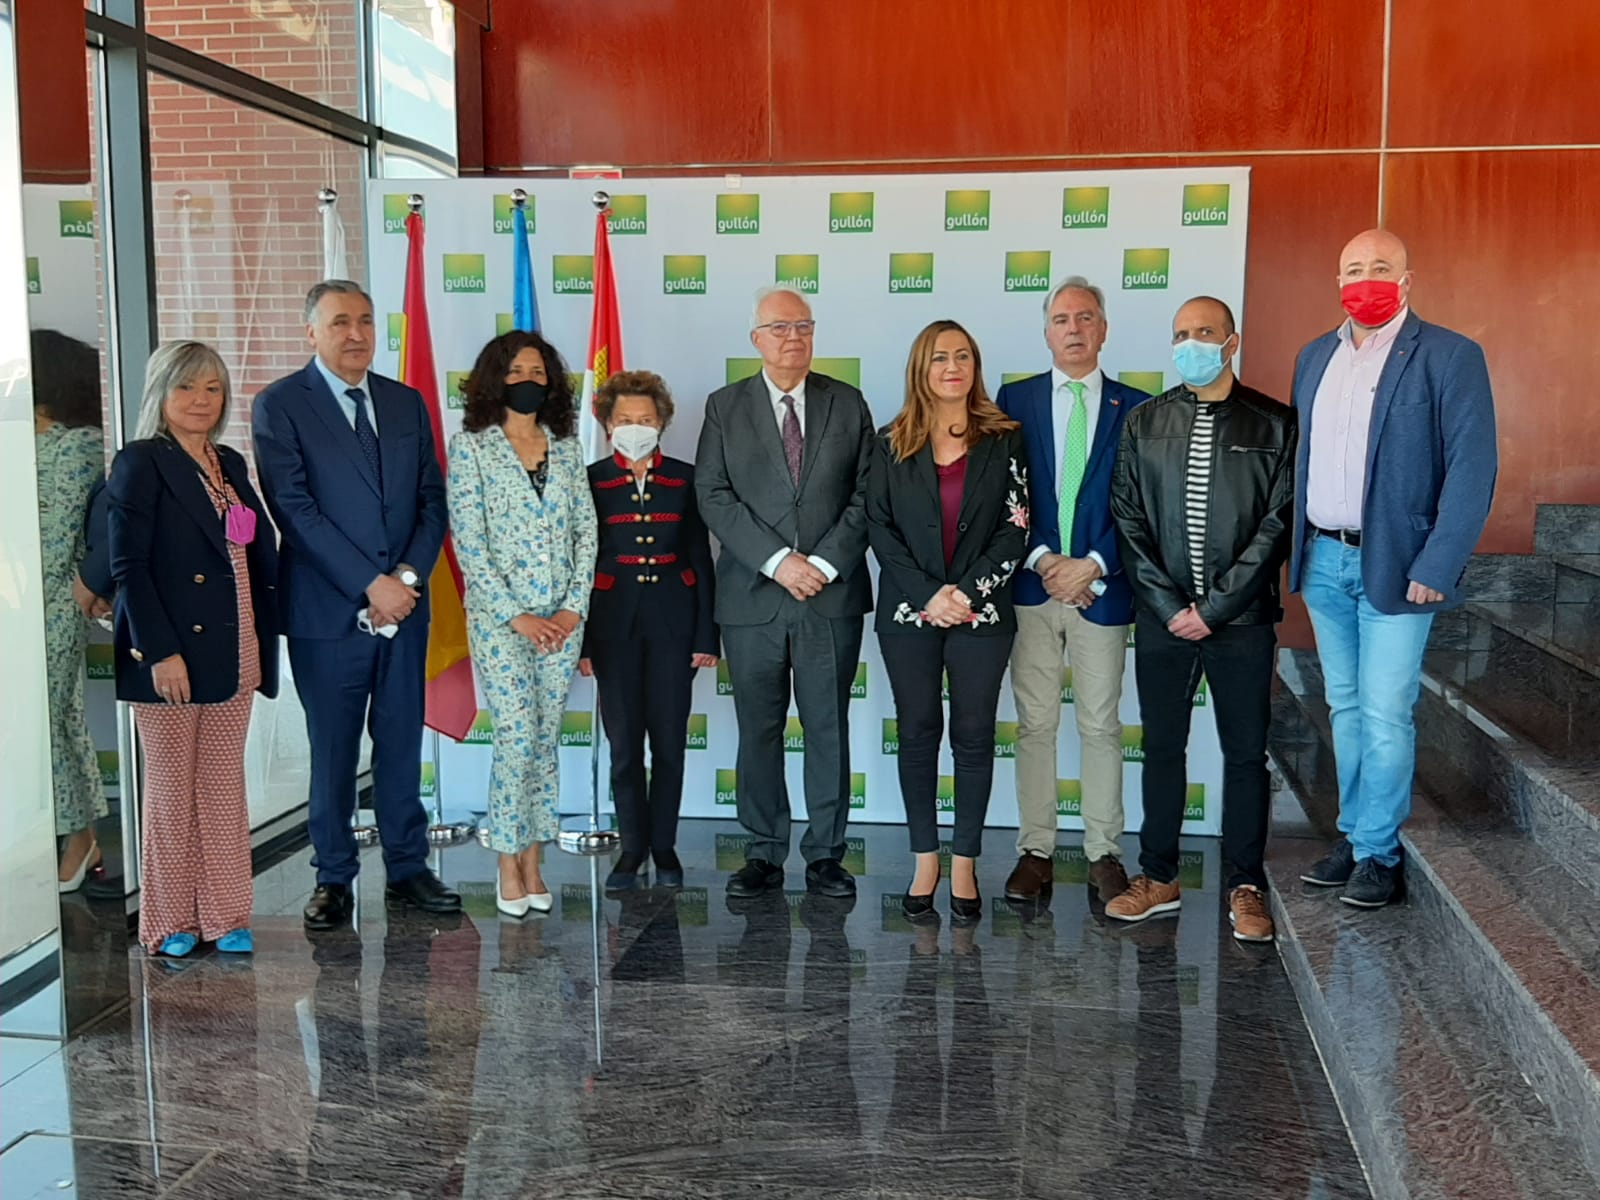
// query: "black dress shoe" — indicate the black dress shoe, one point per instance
point(754, 878)
point(827, 877)
point(624, 875)
point(423, 890)
point(966, 912)
point(1335, 868)
point(669, 871)
point(329, 907)
point(919, 909)
point(1372, 885)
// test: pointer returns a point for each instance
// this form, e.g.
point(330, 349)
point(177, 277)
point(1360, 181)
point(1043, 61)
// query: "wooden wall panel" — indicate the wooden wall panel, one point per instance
point(1504, 247)
point(52, 91)
point(1484, 73)
point(646, 81)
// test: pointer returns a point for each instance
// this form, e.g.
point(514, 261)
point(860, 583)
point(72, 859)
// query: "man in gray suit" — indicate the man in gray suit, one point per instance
point(781, 475)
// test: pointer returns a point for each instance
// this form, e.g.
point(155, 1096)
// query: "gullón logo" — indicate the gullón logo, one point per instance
point(504, 323)
point(891, 735)
point(465, 273)
point(428, 784)
point(34, 286)
point(1145, 270)
point(505, 219)
point(482, 731)
point(395, 212)
point(1005, 739)
point(695, 738)
point(1027, 270)
point(1085, 207)
point(739, 212)
point(797, 271)
point(846, 369)
point(110, 767)
point(944, 795)
point(858, 685)
point(850, 212)
point(572, 274)
point(397, 331)
point(455, 389)
point(1066, 685)
point(724, 680)
point(99, 662)
point(1151, 382)
point(628, 215)
point(794, 736)
point(1205, 204)
point(1133, 743)
point(910, 273)
point(858, 789)
point(966, 211)
point(727, 786)
point(683, 274)
point(1069, 798)
point(77, 218)
point(1194, 802)
point(577, 729)
point(1200, 694)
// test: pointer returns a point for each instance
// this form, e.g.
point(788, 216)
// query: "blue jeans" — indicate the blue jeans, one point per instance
point(1372, 670)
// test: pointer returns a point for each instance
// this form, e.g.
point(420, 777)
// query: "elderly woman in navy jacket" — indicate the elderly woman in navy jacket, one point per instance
point(196, 566)
point(650, 624)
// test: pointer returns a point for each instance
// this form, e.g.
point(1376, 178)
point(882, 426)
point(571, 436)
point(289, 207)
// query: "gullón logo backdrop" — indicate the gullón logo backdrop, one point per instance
point(895, 252)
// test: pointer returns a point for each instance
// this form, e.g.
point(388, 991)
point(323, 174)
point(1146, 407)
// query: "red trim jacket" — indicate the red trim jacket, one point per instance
point(654, 549)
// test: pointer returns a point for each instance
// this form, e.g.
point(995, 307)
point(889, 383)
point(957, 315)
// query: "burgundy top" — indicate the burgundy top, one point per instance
point(952, 480)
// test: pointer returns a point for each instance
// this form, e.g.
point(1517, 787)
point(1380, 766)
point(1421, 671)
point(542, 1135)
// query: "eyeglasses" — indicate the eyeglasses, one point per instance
point(783, 329)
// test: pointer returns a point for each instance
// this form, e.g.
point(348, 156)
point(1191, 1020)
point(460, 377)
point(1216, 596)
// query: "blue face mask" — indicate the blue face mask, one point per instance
point(1198, 363)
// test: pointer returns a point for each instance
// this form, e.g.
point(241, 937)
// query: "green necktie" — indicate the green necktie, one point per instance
point(1073, 461)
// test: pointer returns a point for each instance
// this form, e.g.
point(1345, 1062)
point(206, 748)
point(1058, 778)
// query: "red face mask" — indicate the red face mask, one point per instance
point(1371, 302)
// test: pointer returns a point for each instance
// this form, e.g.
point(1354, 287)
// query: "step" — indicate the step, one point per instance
point(1496, 954)
point(1567, 529)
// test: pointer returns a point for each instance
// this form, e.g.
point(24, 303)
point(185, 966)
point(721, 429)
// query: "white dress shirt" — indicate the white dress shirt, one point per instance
point(1061, 402)
point(1341, 422)
point(779, 412)
point(346, 405)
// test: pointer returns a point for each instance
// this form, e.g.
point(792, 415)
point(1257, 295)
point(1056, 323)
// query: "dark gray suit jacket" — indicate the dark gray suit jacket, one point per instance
point(752, 506)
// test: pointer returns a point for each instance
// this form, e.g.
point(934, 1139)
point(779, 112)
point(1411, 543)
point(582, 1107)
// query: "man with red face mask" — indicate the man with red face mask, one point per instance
point(1396, 471)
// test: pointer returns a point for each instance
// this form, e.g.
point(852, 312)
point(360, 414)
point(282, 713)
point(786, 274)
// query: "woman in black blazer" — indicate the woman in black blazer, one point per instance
point(947, 517)
point(196, 565)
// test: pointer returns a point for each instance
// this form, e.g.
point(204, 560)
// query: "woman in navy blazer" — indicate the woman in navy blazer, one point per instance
point(196, 566)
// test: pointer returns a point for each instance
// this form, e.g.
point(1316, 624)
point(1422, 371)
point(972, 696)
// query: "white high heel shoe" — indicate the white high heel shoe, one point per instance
point(512, 908)
point(541, 902)
point(90, 862)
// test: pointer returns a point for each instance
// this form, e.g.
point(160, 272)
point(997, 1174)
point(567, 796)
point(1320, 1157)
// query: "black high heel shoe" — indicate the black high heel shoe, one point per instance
point(966, 912)
point(919, 908)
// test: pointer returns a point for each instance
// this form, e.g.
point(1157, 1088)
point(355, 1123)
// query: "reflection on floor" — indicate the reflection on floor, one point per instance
point(679, 1045)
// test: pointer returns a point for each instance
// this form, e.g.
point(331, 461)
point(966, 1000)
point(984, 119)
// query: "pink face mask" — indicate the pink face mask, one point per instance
point(241, 522)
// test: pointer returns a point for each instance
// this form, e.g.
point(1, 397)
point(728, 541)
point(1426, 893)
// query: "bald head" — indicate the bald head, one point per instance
point(1375, 254)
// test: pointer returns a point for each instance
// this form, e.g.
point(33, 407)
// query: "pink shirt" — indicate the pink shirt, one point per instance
point(1341, 419)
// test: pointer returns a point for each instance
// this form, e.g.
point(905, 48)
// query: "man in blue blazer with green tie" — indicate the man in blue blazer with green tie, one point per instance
point(347, 466)
point(1396, 473)
point(1072, 598)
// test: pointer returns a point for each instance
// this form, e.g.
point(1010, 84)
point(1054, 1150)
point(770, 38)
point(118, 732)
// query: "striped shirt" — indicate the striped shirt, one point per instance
point(1197, 492)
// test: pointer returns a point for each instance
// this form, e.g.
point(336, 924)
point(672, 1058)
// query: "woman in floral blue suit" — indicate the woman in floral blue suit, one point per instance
point(524, 525)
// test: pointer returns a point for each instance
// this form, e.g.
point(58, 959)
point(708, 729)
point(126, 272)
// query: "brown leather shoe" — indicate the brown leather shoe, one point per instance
point(1145, 898)
point(1247, 912)
point(1032, 878)
point(1108, 878)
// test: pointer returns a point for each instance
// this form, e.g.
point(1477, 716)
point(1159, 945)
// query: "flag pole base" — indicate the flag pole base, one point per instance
point(584, 838)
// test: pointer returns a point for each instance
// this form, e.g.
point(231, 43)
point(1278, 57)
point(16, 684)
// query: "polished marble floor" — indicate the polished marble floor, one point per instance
point(682, 1046)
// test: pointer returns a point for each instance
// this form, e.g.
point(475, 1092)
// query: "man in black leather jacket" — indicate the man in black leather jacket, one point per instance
point(1203, 497)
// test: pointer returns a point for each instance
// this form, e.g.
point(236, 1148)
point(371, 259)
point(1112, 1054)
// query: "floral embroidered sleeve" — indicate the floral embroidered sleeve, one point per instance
point(585, 528)
point(991, 572)
point(469, 524)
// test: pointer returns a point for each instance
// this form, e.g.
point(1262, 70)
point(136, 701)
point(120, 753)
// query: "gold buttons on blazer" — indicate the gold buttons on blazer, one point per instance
point(647, 495)
point(650, 541)
point(645, 517)
point(136, 655)
point(655, 579)
point(635, 497)
point(199, 629)
point(638, 541)
point(640, 579)
point(199, 578)
point(650, 562)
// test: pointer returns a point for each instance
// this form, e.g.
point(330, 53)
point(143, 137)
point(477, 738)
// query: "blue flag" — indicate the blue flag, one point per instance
point(524, 305)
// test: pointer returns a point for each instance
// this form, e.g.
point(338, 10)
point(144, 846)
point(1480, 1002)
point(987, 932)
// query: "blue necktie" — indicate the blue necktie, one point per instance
point(365, 433)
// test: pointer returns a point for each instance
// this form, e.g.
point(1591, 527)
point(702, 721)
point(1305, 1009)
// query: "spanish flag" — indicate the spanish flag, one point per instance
point(452, 701)
point(605, 340)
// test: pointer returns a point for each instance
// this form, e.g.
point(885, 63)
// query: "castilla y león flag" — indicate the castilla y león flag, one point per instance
point(605, 340)
point(452, 702)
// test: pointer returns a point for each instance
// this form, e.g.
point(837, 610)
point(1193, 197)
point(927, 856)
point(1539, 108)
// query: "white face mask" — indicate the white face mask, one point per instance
point(634, 442)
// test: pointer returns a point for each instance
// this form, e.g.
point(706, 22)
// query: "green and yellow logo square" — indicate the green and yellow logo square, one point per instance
point(794, 736)
point(1133, 743)
point(482, 731)
point(35, 285)
point(110, 767)
point(730, 850)
point(1151, 382)
point(77, 218)
point(628, 215)
point(847, 370)
point(910, 273)
point(724, 679)
point(944, 794)
point(1085, 207)
point(738, 212)
point(1005, 739)
point(99, 661)
point(797, 272)
point(966, 211)
point(429, 782)
point(727, 786)
point(683, 274)
point(1191, 870)
point(850, 212)
point(858, 789)
point(855, 856)
point(1066, 685)
point(396, 325)
point(695, 735)
point(465, 273)
point(455, 389)
point(577, 729)
point(858, 685)
point(891, 735)
point(1200, 693)
point(1194, 802)
point(1069, 798)
point(505, 214)
point(572, 274)
point(1145, 270)
point(395, 212)
point(1205, 203)
point(1069, 864)
point(1016, 376)
point(1027, 270)
point(504, 323)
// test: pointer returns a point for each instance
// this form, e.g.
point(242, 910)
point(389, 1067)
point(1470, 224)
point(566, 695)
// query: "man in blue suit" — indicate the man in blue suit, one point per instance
point(1072, 598)
point(347, 466)
point(1396, 472)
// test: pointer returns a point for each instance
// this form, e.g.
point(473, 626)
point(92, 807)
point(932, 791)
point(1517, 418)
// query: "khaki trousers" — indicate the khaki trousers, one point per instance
point(1047, 633)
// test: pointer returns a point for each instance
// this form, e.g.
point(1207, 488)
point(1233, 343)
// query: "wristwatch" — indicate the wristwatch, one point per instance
point(408, 577)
